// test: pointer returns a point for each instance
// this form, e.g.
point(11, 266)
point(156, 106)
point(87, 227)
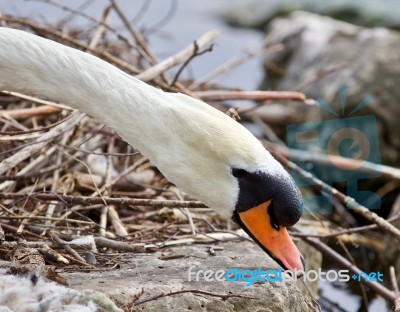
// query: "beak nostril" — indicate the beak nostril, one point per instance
point(299, 274)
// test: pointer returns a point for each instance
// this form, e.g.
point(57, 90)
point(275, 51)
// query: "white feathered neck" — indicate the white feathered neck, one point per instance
point(193, 144)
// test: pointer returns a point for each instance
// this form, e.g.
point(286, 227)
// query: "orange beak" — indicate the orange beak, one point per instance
point(276, 242)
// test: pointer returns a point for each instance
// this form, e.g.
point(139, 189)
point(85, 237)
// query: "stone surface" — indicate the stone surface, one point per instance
point(155, 276)
point(323, 54)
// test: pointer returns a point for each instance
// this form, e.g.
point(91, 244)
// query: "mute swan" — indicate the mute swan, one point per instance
point(203, 151)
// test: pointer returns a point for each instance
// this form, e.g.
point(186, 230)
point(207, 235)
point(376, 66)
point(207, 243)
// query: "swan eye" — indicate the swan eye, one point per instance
point(272, 216)
point(239, 173)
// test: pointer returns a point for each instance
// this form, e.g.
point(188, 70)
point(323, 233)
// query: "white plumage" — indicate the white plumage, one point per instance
point(33, 293)
point(193, 144)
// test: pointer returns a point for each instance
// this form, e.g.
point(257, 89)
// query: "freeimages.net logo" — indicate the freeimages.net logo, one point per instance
point(332, 140)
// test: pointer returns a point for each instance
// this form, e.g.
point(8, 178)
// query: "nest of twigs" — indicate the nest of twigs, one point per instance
point(66, 176)
point(73, 193)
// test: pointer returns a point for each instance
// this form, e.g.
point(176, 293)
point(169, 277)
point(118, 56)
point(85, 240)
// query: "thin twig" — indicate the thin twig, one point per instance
point(23, 113)
point(27, 151)
point(103, 54)
point(86, 200)
point(196, 52)
point(30, 217)
point(56, 239)
point(37, 100)
point(393, 280)
point(233, 63)
point(193, 291)
point(181, 56)
point(347, 200)
point(223, 95)
point(140, 41)
point(344, 231)
point(102, 242)
point(12, 133)
point(329, 252)
point(88, 17)
point(327, 160)
point(397, 305)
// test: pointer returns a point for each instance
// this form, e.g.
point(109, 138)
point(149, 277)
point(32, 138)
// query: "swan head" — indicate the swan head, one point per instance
point(219, 162)
point(268, 202)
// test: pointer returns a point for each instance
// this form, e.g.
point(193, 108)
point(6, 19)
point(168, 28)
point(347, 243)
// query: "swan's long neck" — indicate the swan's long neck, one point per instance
point(186, 139)
point(34, 65)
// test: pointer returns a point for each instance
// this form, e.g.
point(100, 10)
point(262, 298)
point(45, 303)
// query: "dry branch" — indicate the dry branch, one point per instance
point(140, 41)
point(327, 160)
point(23, 113)
point(346, 200)
point(393, 280)
point(88, 17)
point(397, 305)
point(193, 291)
point(32, 148)
point(86, 200)
point(56, 239)
point(344, 231)
point(37, 100)
point(222, 95)
point(233, 63)
point(72, 41)
point(333, 255)
point(178, 58)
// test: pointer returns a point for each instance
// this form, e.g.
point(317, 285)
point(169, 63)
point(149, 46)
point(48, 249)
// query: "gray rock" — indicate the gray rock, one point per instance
point(154, 276)
point(322, 54)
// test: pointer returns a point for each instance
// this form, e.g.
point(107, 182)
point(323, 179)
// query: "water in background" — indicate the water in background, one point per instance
point(185, 21)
